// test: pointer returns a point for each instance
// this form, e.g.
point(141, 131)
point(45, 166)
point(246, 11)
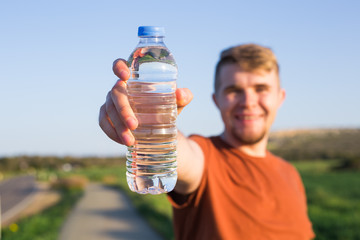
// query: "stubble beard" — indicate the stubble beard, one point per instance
point(247, 139)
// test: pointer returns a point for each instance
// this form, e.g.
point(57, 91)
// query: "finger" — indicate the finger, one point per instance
point(121, 69)
point(121, 130)
point(120, 99)
point(107, 126)
point(183, 98)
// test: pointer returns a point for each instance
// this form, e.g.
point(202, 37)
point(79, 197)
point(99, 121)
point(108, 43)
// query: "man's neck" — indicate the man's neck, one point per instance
point(255, 150)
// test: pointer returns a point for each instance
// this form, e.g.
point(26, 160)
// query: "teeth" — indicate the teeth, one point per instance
point(248, 117)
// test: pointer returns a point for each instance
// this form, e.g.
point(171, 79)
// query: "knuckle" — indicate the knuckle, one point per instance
point(125, 110)
point(118, 126)
point(113, 90)
point(118, 88)
point(102, 114)
point(108, 95)
point(108, 107)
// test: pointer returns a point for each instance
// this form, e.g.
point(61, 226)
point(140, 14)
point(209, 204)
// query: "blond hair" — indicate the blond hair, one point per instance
point(249, 57)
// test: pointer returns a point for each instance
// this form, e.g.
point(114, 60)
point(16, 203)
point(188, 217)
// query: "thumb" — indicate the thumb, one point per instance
point(183, 98)
point(120, 69)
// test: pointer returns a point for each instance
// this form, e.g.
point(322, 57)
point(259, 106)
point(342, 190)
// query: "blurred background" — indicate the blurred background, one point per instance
point(56, 60)
point(55, 72)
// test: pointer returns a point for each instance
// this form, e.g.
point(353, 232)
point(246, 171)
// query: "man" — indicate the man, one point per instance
point(229, 186)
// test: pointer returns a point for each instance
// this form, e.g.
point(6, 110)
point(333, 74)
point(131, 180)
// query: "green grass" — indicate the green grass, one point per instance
point(333, 200)
point(45, 225)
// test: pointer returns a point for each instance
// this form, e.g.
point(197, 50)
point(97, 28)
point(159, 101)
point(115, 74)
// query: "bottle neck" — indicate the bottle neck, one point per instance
point(151, 41)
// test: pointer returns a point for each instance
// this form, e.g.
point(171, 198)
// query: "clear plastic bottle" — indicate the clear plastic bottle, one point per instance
point(151, 161)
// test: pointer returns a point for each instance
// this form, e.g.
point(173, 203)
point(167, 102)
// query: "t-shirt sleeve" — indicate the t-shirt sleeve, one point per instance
point(299, 183)
point(181, 201)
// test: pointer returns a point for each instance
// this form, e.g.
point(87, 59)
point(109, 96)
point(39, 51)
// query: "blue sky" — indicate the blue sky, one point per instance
point(56, 57)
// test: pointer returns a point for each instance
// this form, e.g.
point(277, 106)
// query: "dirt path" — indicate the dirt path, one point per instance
point(16, 194)
point(105, 214)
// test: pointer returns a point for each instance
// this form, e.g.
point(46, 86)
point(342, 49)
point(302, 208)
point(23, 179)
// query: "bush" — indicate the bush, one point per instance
point(349, 163)
point(70, 183)
point(315, 144)
point(35, 163)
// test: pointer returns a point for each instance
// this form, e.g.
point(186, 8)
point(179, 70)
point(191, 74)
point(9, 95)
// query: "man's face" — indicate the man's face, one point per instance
point(248, 103)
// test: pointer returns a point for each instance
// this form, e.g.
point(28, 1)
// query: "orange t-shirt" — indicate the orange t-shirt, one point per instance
point(242, 197)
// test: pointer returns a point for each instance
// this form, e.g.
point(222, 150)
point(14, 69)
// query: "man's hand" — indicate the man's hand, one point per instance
point(116, 117)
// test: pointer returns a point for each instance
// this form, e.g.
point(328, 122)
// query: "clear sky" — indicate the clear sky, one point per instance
point(56, 58)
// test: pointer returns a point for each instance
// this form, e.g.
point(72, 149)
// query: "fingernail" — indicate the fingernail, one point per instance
point(184, 95)
point(131, 123)
point(124, 74)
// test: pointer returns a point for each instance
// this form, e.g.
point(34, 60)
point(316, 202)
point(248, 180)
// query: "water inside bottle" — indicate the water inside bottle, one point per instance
point(151, 162)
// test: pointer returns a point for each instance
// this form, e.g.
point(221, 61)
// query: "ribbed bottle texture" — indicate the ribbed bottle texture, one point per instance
point(151, 161)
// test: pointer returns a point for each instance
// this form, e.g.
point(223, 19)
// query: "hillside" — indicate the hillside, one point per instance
point(316, 144)
point(293, 145)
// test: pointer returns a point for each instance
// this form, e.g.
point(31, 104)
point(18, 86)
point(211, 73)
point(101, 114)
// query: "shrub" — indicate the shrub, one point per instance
point(70, 183)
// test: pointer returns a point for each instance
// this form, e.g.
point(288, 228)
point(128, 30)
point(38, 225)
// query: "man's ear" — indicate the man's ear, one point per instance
point(215, 100)
point(282, 95)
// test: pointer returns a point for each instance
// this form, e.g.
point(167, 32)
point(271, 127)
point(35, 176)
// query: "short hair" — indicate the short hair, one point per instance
point(249, 57)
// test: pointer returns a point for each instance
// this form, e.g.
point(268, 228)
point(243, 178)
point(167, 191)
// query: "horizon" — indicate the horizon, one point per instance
point(123, 154)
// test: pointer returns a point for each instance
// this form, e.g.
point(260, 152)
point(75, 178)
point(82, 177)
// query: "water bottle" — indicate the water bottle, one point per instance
point(151, 161)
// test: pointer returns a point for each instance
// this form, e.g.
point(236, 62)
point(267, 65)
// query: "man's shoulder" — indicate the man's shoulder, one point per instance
point(207, 144)
point(281, 161)
point(202, 139)
point(197, 137)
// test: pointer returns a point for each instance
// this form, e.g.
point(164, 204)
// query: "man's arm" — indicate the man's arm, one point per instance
point(117, 119)
point(190, 165)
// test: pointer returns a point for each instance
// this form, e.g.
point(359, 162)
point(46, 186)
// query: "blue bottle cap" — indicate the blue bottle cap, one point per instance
point(151, 31)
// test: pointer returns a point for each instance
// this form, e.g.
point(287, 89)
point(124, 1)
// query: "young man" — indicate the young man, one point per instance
point(229, 186)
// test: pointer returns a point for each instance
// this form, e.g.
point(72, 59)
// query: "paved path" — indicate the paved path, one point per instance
point(105, 214)
point(16, 194)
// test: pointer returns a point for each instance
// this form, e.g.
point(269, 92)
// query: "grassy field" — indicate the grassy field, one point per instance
point(333, 202)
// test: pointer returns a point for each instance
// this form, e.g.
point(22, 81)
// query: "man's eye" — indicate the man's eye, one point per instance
point(261, 88)
point(233, 90)
point(236, 90)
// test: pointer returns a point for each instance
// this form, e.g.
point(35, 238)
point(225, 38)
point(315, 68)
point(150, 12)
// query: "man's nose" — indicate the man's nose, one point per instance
point(248, 99)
